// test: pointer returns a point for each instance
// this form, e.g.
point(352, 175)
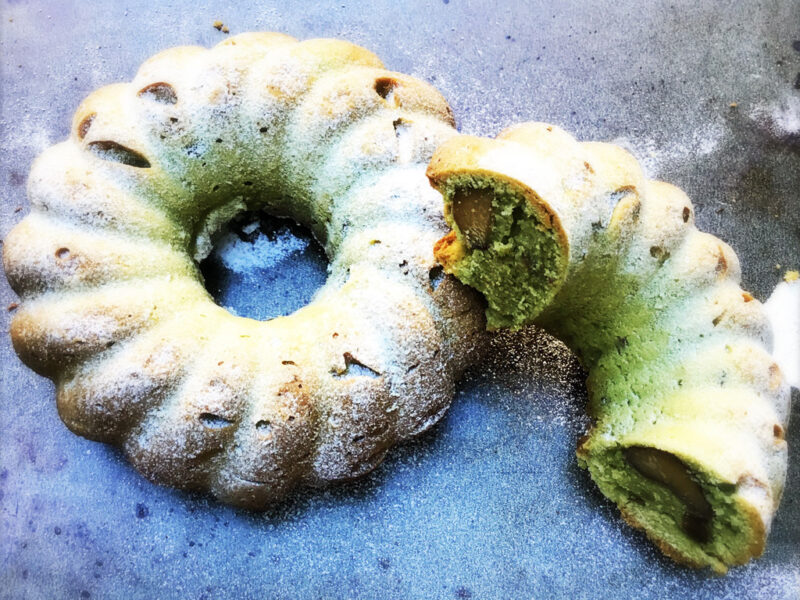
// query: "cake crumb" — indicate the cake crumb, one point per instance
point(225, 29)
point(790, 276)
point(13, 306)
point(733, 105)
point(19, 208)
point(218, 25)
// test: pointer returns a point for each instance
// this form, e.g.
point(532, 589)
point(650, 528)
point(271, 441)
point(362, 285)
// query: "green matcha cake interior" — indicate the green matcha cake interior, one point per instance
point(691, 510)
point(515, 255)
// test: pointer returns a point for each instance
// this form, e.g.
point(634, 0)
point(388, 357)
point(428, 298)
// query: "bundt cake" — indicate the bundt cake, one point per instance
point(688, 406)
point(114, 309)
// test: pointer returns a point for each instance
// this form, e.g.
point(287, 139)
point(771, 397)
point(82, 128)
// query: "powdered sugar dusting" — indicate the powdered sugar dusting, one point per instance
point(242, 256)
point(30, 133)
point(532, 363)
point(781, 118)
point(656, 156)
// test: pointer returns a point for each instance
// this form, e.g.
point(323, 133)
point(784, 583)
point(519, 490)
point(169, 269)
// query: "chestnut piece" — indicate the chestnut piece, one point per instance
point(472, 212)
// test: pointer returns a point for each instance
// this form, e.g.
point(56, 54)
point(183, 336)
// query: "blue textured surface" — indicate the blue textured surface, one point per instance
point(490, 503)
point(264, 267)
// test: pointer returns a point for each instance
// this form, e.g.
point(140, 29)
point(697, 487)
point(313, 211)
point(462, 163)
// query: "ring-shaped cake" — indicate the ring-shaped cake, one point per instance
point(114, 309)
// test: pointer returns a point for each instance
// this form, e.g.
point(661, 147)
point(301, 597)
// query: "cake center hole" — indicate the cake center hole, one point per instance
point(264, 267)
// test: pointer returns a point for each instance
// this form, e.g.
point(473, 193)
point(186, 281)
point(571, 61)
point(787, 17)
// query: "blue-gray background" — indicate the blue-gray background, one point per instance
point(490, 503)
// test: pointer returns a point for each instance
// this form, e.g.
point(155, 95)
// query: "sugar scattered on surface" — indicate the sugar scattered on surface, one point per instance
point(781, 118)
point(533, 364)
point(242, 256)
point(657, 156)
point(783, 311)
point(30, 134)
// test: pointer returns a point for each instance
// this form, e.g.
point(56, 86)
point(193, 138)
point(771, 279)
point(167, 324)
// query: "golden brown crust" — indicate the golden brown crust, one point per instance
point(448, 251)
point(458, 155)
